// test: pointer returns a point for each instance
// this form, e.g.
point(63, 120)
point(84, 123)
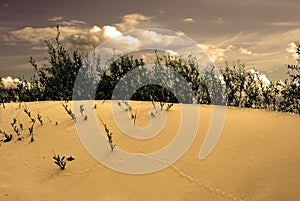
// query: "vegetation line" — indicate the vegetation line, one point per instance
point(234, 85)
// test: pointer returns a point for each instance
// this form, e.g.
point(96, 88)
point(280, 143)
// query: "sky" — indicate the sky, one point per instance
point(260, 33)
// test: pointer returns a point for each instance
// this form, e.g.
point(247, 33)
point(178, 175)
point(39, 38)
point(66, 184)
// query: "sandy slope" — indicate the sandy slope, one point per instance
point(257, 158)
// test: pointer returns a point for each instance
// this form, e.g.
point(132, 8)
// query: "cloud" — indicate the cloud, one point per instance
point(29, 34)
point(152, 36)
point(59, 20)
point(140, 40)
point(75, 32)
point(284, 24)
point(56, 19)
point(37, 35)
point(9, 82)
point(111, 32)
point(95, 29)
point(218, 20)
point(260, 77)
point(217, 54)
point(72, 23)
point(270, 51)
point(188, 20)
point(247, 52)
point(172, 52)
point(95, 35)
point(291, 51)
point(131, 21)
point(161, 39)
point(92, 37)
point(38, 48)
point(160, 12)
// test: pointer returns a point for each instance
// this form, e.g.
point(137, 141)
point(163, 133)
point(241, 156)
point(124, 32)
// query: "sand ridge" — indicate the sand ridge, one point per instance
point(256, 158)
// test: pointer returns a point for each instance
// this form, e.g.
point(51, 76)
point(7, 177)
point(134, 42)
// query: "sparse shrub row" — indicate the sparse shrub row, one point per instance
point(55, 81)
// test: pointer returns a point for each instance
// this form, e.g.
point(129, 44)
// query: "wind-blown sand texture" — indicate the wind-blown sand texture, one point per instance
point(256, 158)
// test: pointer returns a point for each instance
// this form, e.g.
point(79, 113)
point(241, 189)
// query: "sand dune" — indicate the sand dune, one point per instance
point(256, 158)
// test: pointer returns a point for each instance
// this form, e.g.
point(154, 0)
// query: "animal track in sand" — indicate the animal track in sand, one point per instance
point(219, 192)
point(211, 189)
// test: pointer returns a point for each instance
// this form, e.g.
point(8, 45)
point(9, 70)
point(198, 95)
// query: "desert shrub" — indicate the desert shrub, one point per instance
point(88, 77)
point(291, 92)
point(117, 70)
point(7, 94)
point(60, 161)
point(234, 78)
point(151, 74)
point(57, 76)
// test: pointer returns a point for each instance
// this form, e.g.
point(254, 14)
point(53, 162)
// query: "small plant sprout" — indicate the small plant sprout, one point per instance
point(27, 111)
point(169, 106)
point(95, 106)
point(39, 117)
point(152, 101)
point(8, 137)
point(131, 111)
point(133, 115)
point(119, 104)
point(153, 110)
point(30, 129)
point(128, 106)
point(70, 113)
point(60, 161)
point(161, 105)
point(21, 126)
point(14, 125)
point(15, 128)
point(81, 108)
point(28, 114)
point(85, 117)
point(73, 117)
point(153, 113)
point(109, 135)
point(123, 108)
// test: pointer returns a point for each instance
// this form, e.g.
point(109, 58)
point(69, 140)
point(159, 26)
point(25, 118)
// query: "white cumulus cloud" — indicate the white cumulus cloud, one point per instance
point(291, 51)
point(215, 53)
point(247, 52)
point(9, 82)
point(131, 21)
point(260, 77)
point(189, 19)
point(95, 29)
